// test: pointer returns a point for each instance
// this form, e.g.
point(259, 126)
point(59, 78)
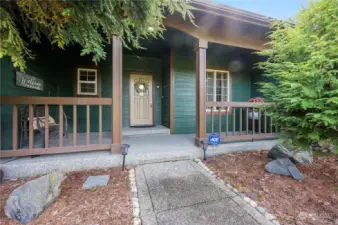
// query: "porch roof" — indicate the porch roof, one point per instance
point(232, 12)
point(224, 25)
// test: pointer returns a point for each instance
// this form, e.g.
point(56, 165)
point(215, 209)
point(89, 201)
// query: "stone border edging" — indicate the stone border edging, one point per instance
point(134, 198)
point(270, 217)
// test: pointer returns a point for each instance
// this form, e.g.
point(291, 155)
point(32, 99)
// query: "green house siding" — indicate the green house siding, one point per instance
point(57, 73)
point(8, 88)
point(185, 91)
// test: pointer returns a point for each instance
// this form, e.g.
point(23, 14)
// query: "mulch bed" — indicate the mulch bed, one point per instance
point(313, 201)
point(103, 205)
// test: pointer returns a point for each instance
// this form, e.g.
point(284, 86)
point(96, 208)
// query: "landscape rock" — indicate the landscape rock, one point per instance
point(276, 167)
point(279, 151)
point(28, 201)
point(303, 157)
point(284, 167)
point(297, 155)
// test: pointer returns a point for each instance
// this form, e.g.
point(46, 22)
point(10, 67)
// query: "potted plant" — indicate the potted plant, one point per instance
point(255, 113)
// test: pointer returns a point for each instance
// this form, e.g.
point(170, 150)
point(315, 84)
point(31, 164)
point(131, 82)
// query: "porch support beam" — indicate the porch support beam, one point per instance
point(172, 91)
point(201, 49)
point(116, 92)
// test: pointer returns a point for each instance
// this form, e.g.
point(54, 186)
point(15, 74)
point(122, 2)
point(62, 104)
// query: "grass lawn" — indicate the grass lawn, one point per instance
point(313, 201)
point(104, 205)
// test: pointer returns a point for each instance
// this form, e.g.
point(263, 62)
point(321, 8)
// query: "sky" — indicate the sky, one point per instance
point(279, 9)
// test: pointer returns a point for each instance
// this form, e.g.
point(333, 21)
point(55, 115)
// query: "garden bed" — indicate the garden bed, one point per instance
point(103, 205)
point(311, 201)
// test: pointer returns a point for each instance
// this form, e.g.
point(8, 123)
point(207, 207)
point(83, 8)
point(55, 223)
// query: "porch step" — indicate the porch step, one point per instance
point(142, 131)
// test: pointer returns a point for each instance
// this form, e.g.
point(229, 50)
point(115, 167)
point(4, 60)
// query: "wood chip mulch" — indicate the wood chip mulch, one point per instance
point(103, 205)
point(313, 201)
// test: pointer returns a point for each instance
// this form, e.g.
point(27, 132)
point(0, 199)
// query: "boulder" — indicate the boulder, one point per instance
point(279, 151)
point(277, 167)
point(302, 157)
point(28, 201)
point(297, 155)
point(284, 167)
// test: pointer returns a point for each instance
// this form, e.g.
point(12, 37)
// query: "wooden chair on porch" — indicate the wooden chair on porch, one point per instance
point(39, 121)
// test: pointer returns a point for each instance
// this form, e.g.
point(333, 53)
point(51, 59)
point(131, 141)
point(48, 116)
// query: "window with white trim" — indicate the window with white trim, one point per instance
point(87, 81)
point(217, 86)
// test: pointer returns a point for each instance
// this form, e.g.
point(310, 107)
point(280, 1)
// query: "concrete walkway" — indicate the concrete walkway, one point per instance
point(182, 192)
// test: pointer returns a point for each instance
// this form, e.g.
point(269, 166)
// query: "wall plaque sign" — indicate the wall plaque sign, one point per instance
point(27, 81)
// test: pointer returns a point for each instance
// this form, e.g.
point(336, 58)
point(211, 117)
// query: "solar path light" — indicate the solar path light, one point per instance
point(124, 152)
point(204, 147)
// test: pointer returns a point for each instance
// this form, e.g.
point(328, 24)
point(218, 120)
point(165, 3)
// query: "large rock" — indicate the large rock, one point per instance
point(278, 167)
point(297, 155)
point(279, 151)
point(302, 157)
point(284, 167)
point(28, 201)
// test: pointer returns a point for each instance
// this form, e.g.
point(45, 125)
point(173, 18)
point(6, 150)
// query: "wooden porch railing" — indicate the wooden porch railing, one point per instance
point(46, 102)
point(251, 123)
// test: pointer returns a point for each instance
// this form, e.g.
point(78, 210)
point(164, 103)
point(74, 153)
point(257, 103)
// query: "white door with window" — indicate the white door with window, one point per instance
point(141, 100)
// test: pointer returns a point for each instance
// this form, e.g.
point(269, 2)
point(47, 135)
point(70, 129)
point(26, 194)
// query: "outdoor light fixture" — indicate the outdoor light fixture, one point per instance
point(204, 147)
point(124, 152)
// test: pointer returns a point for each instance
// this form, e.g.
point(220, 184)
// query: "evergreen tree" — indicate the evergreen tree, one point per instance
point(88, 23)
point(301, 68)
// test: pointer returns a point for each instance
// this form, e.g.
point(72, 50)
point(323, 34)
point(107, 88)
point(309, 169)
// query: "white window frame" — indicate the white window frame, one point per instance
point(215, 87)
point(79, 82)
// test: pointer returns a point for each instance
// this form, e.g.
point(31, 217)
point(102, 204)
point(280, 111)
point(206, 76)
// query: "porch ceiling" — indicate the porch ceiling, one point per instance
point(222, 29)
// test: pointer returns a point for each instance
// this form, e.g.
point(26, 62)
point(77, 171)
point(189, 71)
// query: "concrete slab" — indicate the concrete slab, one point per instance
point(184, 193)
point(220, 212)
point(95, 181)
point(175, 192)
point(169, 169)
point(143, 150)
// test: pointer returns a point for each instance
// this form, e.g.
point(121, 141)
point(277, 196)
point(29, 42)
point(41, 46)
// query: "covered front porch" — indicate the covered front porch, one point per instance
point(197, 85)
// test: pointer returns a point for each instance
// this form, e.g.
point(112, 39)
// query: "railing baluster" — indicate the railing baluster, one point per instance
point(31, 129)
point(233, 121)
point(100, 124)
point(247, 121)
point(88, 125)
point(265, 123)
point(60, 125)
point(212, 120)
point(15, 127)
point(74, 125)
point(227, 122)
point(219, 121)
point(46, 126)
point(259, 121)
point(240, 121)
point(253, 121)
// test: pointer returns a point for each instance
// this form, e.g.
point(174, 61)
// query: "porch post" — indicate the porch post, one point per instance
point(201, 48)
point(116, 94)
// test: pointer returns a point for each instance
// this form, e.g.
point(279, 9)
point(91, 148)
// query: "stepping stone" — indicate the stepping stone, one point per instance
point(95, 181)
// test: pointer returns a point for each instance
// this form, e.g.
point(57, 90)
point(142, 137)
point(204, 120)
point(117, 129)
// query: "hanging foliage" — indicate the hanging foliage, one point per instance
point(89, 24)
point(301, 67)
